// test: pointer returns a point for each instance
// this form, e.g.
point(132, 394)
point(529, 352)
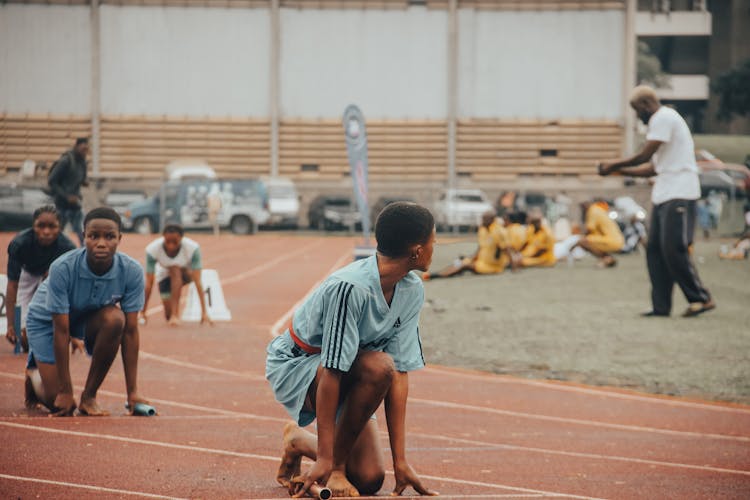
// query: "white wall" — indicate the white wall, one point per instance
point(390, 63)
point(45, 59)
point(563, 64)
point(184, 61)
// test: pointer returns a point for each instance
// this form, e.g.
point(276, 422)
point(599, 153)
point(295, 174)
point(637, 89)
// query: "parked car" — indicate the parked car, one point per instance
point(17, 205)
point(283, 201)
point(331, 212)
point(381, 203)
point(121, 199)
point(461, 208)
point(189, 169)
point(709, 164)
point(244, 206)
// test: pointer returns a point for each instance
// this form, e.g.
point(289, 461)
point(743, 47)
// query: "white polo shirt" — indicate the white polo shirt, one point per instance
point(674, 161)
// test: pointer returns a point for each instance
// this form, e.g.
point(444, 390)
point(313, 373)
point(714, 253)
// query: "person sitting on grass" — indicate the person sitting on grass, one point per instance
point(492, 256)
point(30, 254)
point(603, 236)
point(349, 348)
point(739, 251)
point(175, 260)
point(540, 244)
point(78, 305)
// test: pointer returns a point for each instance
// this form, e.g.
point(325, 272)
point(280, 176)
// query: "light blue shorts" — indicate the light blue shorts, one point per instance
point(291, 371)
point(41, 340)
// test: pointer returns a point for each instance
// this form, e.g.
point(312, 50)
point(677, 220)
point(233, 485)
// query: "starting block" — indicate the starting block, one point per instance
point(216, 306)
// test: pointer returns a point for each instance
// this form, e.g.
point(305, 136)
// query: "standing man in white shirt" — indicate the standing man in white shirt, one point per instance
point(173, 261)
point(669, 155)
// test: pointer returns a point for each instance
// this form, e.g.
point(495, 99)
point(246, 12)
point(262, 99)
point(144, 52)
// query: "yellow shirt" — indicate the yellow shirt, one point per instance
point(599, 223)
point(516, 236)
point(490, 239)
point(540, 243)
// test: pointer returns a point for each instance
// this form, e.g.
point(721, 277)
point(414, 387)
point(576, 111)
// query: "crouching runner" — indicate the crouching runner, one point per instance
point(78, 305)
point(349, 348)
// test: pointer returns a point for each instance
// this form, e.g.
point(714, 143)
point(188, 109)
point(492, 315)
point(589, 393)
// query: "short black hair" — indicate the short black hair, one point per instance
point(103, 213)
point(400, 225)
point(82, 140)
point(46, 209)
point(174, 228)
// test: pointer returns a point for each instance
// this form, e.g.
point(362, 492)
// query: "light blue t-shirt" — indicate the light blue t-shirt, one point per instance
point(348, 312)
point(72, 288)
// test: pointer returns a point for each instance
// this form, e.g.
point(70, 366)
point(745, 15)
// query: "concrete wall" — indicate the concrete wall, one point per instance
point(541, 64)
point(184, 61)
point(45, 59)
point(391, 63)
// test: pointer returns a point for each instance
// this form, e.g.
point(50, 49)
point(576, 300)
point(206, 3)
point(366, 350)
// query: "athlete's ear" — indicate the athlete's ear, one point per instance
point(416, 251)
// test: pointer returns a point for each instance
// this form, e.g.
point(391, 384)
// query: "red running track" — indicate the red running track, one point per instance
point(470, 435)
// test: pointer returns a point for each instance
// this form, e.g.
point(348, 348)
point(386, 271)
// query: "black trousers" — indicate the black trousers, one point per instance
point(668, 257)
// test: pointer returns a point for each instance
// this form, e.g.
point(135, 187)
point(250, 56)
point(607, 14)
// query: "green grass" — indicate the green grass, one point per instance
point(582, 324)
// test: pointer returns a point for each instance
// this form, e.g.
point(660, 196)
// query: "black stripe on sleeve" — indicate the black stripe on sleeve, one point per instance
point(342, 330)
point(331, 330)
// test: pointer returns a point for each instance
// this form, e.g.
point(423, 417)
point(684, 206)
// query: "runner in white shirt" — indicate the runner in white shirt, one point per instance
point(175, 261)
point(669, 155)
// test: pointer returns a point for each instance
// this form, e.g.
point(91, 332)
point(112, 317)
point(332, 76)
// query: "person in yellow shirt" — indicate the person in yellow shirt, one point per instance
point(491, 257)
point(540, 244)
point(517, 232)
point(603, 236)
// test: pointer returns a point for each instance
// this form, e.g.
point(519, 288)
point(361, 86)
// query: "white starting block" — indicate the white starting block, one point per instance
point(216, 306)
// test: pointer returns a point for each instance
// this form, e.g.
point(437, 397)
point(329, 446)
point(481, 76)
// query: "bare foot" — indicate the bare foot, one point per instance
point(291, 460)
point(89, 407)
point(173, 321)
point(340, 486)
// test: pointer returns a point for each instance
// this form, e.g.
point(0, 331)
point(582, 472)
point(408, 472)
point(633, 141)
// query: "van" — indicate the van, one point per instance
point(283, 201)
point(243, 206)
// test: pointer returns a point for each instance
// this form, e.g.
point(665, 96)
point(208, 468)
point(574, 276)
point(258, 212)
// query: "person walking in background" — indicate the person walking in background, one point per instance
point(30, 254)
point(65, 179)
point(669, 156)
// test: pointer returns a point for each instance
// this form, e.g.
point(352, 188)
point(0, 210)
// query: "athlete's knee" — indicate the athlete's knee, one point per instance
point(376, 367)
point(112, 318)
point(369, 481)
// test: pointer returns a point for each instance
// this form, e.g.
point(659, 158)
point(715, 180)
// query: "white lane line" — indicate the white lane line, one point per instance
point(255, 456)
point(255, 270)
point(510, 380)
point(91, 487)
point(284, 319)
point(218, 413)
point(187, 364)
point(488, 446)
point(576, 421)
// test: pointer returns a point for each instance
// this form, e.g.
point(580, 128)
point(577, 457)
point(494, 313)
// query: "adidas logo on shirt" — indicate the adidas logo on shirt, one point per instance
point(397, 324)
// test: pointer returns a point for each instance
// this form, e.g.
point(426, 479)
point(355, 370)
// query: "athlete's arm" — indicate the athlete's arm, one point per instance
point(328, 461)
point(11, 293)
point(196, 274)
point(64, 403)
point(129, 352)
point(607, 168)
point(395, 413)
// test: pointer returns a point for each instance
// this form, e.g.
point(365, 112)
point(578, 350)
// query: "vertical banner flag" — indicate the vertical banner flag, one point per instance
point(356, 149)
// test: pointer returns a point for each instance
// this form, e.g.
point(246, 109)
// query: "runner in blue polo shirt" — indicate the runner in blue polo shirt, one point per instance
point(91, 300)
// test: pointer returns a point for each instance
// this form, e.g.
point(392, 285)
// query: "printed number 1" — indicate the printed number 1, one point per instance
point(207, 291)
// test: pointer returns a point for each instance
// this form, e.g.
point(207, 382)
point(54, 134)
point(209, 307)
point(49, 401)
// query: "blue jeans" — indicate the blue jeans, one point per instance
point(74, 215)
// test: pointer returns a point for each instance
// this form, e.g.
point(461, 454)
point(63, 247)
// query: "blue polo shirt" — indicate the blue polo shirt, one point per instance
point(72, 288)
